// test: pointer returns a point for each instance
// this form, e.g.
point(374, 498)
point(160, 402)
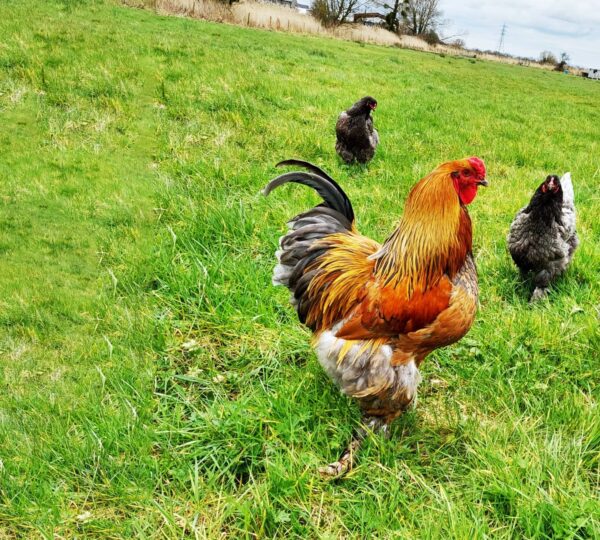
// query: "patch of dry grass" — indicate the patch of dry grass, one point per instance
point(262, 15)
point(276, 17)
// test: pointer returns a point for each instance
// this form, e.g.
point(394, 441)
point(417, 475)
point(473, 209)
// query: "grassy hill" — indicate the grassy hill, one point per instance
point(155, 384)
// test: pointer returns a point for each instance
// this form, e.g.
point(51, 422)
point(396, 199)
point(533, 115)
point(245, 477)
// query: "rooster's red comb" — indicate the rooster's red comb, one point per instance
point(478, 166)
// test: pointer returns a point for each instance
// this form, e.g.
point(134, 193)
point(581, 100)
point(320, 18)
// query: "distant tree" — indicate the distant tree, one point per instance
point(334, 12)
point(417, 17)
point(422, 16)
point(431, 37)
point(396, 11)
point(562, 64)
point(547, 57)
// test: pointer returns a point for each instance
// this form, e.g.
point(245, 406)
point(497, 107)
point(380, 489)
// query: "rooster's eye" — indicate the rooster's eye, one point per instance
point(466, 173)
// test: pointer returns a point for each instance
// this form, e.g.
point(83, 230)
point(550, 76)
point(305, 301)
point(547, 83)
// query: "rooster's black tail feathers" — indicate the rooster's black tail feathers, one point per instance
point(332, 194)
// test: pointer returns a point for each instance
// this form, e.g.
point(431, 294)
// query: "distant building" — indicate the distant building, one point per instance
point(591, 74)
point(294, 4)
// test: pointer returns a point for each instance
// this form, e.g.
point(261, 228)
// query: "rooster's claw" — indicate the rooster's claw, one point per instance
point(334, 470)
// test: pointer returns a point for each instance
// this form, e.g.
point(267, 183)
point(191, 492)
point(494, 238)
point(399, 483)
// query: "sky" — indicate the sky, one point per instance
point(532, 26)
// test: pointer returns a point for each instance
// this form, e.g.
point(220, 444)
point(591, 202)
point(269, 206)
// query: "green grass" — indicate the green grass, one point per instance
point(155, 384)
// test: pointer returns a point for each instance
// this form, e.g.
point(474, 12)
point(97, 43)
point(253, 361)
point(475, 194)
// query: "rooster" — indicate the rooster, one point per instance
point(542, 237)
point(377, 310)
point(356, 137)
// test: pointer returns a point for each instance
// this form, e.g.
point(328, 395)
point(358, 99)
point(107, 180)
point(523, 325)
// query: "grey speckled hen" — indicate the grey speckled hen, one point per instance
point(542, 237)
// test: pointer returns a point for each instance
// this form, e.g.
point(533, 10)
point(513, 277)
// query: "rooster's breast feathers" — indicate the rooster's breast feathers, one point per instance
point(346, 287)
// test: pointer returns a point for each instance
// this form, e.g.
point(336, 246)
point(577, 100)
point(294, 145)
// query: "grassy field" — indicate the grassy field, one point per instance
point(154, 383)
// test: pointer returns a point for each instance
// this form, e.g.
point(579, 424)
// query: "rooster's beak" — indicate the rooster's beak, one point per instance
point(483, 182)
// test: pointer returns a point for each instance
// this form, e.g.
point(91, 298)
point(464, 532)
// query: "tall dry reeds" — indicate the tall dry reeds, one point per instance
point(277, 17)
point(273, 16)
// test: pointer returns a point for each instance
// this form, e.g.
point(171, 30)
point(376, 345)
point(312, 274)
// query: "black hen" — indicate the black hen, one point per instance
point(542, 237)
point(356, 137)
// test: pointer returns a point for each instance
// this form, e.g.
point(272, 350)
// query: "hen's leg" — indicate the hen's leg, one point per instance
point(544, 278)
point(541, 281)
point(348, 458)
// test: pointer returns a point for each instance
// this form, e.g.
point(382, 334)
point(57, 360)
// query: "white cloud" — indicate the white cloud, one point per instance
point(532, 26)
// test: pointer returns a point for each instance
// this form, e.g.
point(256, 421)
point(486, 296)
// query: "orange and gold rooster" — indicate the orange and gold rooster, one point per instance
point(378, 310)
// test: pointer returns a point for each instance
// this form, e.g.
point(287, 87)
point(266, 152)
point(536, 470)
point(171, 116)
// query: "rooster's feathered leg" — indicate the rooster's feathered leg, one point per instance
point(347, 460)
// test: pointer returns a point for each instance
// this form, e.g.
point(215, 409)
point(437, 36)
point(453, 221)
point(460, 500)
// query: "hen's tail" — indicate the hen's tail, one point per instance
point(299, 248)
point(567, 187)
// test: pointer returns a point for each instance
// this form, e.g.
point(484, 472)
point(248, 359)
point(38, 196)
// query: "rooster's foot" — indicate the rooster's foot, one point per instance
point(345, 463)
point(349, 456)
